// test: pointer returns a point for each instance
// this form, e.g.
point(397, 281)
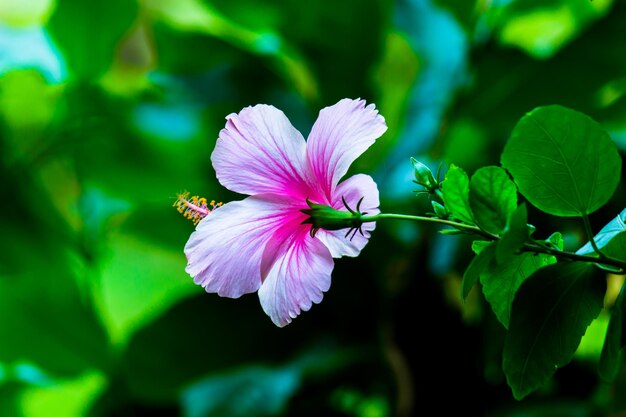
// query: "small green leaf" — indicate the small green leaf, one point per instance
point(550, 314)
point(515, 236)
point(608, 232)
point(501, 281)
point(440, 210)
point(562, 161)
point(479, 245)
point(611, 358)
point(493, 198)
point(478, 265)
point(556, 239)
point(455, 190)
point(453, 232)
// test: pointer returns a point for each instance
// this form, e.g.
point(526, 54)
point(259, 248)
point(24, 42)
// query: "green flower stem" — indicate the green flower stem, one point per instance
point(589, 233)
point(574, 256)
point(528, 247)
point(456, 225)
point(439, 193)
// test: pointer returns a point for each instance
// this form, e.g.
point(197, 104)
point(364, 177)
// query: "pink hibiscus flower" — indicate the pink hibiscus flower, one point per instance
point(261, 243)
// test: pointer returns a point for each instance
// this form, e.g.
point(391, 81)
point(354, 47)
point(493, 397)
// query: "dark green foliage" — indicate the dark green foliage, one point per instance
point(550, 314)
point(612, 357)
point(456, 194)
point(493, 199)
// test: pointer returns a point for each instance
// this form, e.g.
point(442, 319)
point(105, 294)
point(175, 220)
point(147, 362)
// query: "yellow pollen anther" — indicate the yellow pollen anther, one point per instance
point(194, 208)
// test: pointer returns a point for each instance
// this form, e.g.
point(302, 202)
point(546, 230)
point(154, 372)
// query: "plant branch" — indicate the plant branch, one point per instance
point(590, 236)
point(456, 225)
point(534, 247)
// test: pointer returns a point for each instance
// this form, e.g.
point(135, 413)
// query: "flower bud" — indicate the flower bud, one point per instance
point(440, 211)
point(423, 175)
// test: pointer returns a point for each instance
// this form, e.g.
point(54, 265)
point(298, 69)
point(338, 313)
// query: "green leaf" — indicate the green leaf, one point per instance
point(88, 32)
point(556, 239)
point(562, 161)
point(531, 25)
point(501, 281)
point(478, 265)
point(606, 234)
point(128, 304)
point(455, 190)
point(67, 398)
point(515, 236)
point(493, 198)
point(479, 245)
point(440, 211)
point(551, 312)
point(612, 356)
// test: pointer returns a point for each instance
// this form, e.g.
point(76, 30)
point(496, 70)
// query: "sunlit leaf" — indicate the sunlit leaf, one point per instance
point(493, 198)
point(612, 356)
point(67, 398)
point(562, 161)
point(541, 28)
point(550, 314)
point(25, 13)
point(139, 281)
point(590, 347)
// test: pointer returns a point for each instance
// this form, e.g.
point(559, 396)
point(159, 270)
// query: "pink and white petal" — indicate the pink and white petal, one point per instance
point(224, 252)
point(341, 134)
point(352, 190)
point(259, 151)
point(297, 279)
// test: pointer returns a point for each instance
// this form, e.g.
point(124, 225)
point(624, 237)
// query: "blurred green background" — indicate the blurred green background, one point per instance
point(109, 108)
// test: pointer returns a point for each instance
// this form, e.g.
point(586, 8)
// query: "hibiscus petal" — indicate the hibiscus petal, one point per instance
point(340, 135)
point(352, 190)
point(298, 277)
point(259, 151)
point(224, 253)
